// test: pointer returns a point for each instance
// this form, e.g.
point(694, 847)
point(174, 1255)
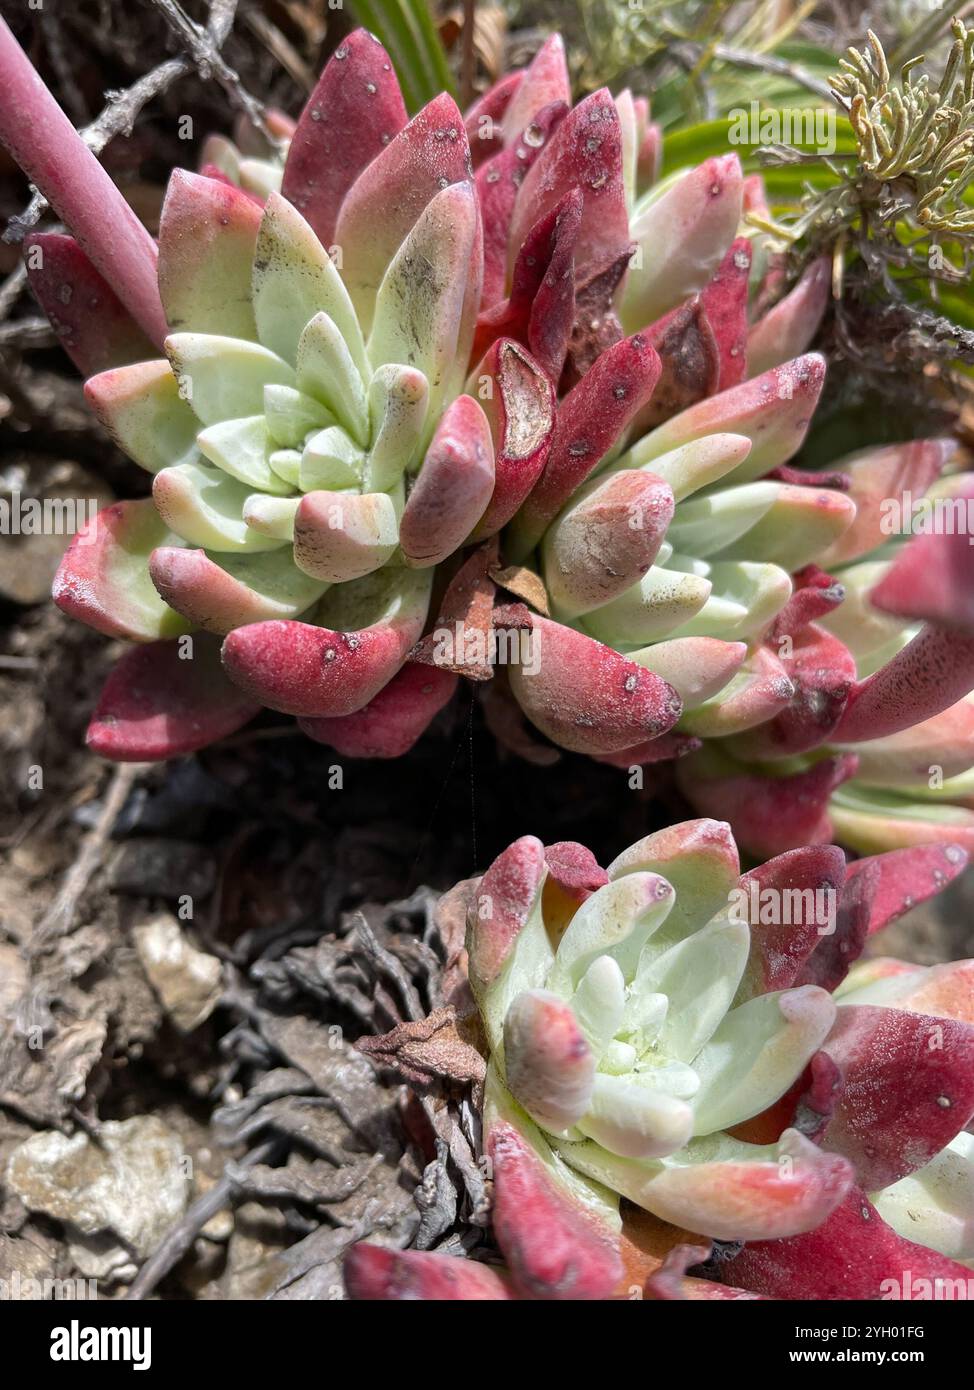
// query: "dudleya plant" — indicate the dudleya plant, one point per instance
point(684, 562)
point(314, 456)
point(638, 387)
point(674, 1033)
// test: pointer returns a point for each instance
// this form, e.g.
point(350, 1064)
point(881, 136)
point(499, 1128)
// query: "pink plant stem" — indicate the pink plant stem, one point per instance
point(54, 157)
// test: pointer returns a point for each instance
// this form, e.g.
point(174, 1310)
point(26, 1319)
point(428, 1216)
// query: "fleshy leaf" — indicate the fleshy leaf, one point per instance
point(936, 1203)
point(590, 420)
point(334, 665)
point(141, 407)
point(224, 378)
point(587, 697)
point(205, 507)
point(757, 1052)
point(165, 699)
point(692, 466)
point(482, 120)
point(342, 536)
point(393, 720)
point(738, 1192)
point(294, 279)
point(421, 317)
point(207, 236)
point(325, 370)
point(681, 237)
point(388, 197)
point(930, 674)
point(772, 410)
point(770, 813)
point(93, 326)
point(545, 80)
point(786, 901)
point(398, 405)
point(520, 408)
point(554, 1248)
point(907, 877)
point(291, 416)
point(787, 329)
point(605, 540)
point(223, 593)
point(617, 921)
point(507, 895)
point(330, 462)
point(876, 478)
point(376, 1273)
point(548, 1064)
point(103, 579)
point(699, 858)
point(271, 516)
point(696, 667)
point(852, 1254)
point(241, 448)
point(498, 181)
point(584, 152)
point(350, 117)
point(454, 486)
point(933, 578)
point(628, 1116)
point(907, 1087)
point(699, 977)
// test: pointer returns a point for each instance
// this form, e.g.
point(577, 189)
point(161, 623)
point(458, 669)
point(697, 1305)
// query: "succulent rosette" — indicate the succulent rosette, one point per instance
point(676, 1034)
point(314, 456)
point(698, 589)
point(875, 748)
point(390, 340)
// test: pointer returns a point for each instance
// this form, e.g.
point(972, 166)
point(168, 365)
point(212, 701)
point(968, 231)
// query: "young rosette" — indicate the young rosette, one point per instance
point(665, 1032)
point(876, 746)
point(313, 454)
point(683, 560)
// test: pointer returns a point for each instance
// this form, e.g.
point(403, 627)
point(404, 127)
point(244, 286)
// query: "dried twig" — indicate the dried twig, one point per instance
point(12, 289)
point(50, 22)
point(32, 332)
point(282, 49)
point(203, 46)
point(123, 108)
point(117, 118)
point(59, 916)
point(780, 67)
point(178, 1240)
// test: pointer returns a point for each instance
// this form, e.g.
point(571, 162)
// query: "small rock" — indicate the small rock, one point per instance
point(161, 868)
point(187, 981)
point(117, 1198)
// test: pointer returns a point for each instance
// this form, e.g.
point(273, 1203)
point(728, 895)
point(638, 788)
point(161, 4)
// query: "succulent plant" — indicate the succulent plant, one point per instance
point(677, 1034)
point(314, 456)
point(396, 340)
point(686, 599)
point(875, 748)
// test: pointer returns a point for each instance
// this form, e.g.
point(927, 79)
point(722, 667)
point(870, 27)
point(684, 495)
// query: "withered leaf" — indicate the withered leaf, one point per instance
point(430, 1051)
